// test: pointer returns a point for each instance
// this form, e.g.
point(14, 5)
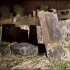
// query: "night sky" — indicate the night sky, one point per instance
point(28, 5)
point(22, 1)
point(11, 2)
point(2, 2)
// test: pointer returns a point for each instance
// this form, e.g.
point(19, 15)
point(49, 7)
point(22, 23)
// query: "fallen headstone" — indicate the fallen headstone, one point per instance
point(51, 32)
point(53, 26)
point(24, 49)
point(39, 34)
point(45, 32)
point(50, 26)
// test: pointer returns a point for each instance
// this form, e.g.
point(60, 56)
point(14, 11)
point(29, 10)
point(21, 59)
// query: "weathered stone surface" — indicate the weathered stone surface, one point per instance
point(50, 31)
point(65, 28)
point(11, 33)
point(53, 27)
point(24, 49)
point(33, 35)
point(44, 27)
point(55, 52)
point(39, 34)
point(50, 26)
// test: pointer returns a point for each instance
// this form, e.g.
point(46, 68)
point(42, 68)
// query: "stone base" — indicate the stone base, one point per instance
point(24, 49)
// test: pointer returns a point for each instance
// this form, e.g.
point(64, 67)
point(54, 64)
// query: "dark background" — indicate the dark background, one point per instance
point(30, 5)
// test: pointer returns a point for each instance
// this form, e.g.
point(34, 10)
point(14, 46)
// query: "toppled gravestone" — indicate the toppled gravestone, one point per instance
point(39, 34)
point(44, 27)
point(50, 27)
point(55, 51)
point(51, 33)
point(53, 26)
point(24, 49)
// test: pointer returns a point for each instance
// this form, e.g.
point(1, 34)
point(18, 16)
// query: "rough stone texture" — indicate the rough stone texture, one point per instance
point(27, 21)
point(39, 34)
point(33, 35)
point(53, 27)
point(45, 32)
point(55, 52)
point(64, 28)
point(24, 49)
point(51, 32)
point(50, 26)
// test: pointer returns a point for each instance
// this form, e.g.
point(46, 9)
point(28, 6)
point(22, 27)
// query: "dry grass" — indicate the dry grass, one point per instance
point(8, 61)
point(33, 62)
point(18, 62)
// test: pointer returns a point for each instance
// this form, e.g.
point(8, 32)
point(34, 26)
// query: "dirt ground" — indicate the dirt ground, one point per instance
point(18, 62)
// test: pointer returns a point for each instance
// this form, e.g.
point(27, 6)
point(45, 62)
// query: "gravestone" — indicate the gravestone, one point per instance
point(44, 27)
point(24, 49)
point(65, 28)
point(11, 33)
point(55, 51)
point(21, 35)
point(33, 35)
point(50, 27)
point(53, 26)
point(6, 31)
point(39, 34)
point(51, 33)
point(64, 32)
